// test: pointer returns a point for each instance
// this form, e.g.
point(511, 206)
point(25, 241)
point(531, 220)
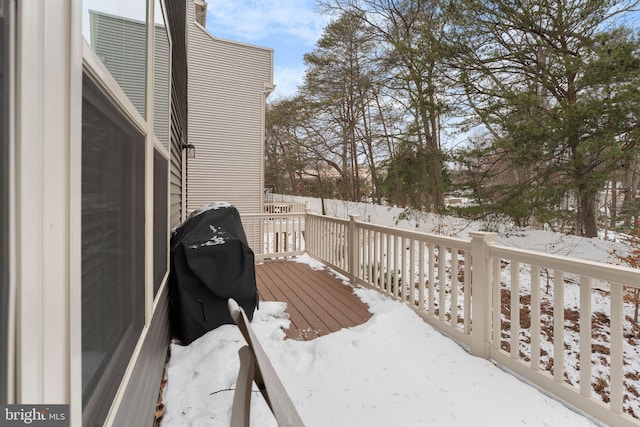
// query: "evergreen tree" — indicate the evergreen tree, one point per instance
point(556, 86)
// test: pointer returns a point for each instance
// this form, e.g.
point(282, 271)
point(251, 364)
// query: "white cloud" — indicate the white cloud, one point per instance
point(287, 80)
point(254, 20)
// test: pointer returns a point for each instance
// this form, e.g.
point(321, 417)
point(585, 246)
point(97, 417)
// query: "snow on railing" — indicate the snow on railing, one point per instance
point(526, 307)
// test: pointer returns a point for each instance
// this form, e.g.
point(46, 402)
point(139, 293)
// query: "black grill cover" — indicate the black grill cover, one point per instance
point(210, 263)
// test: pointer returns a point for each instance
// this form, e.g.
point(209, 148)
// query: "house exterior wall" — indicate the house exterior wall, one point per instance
point(45, 242)
point(227, 87)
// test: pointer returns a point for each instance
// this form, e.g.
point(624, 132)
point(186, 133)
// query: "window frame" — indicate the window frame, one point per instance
point(158, 284)
point(125, 350)
point(165, 151)
point(93, 68)
point(6, 168)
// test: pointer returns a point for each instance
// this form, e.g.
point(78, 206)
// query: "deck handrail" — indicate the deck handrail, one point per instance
point(470, 289)
point(256, 367)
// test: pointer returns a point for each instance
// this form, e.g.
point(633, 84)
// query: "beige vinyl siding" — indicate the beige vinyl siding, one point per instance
point(175, 184)
point(161, 100)
point(226, 92)
point(176, 12)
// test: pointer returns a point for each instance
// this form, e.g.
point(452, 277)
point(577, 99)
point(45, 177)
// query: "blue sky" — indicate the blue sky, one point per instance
point(290, 27)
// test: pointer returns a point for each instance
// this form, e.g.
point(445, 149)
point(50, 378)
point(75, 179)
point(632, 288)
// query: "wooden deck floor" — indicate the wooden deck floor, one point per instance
point(317, 302)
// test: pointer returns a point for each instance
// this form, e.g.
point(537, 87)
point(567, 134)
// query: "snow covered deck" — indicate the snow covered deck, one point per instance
point(393, 369)
point(318, 303)
point(565, 324)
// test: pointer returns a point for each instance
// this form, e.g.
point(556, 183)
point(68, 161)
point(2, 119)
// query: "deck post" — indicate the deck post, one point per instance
point(307, 237)
point(353, 246)
point(481, 293)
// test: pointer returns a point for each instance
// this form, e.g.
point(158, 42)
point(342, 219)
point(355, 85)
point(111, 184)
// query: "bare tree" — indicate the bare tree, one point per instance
point(410, 33)
point(341, 87)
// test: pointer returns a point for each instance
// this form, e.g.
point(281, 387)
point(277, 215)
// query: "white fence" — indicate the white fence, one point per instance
point(561, 323)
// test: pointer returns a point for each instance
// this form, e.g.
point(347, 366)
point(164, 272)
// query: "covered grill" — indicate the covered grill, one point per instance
point(210, 263)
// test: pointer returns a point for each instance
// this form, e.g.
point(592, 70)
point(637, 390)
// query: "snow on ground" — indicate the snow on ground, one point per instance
point(600, 357)
point(601, 250)
point(394, 370)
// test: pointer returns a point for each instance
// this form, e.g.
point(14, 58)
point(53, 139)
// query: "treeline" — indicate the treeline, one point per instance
point(530, 108)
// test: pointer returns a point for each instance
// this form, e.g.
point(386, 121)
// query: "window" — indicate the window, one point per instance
point(112, 249)
point(119, 131)
point(4, 197)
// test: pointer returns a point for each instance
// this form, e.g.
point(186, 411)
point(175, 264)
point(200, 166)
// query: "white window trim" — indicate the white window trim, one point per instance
point(166, 156)
point(11, 338)
point(148, 147)
point(165, 151)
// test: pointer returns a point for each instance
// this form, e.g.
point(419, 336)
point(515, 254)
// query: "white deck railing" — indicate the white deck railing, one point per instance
point(275, 235)
point(285, 207)
point(573, 287)
point(504, 304)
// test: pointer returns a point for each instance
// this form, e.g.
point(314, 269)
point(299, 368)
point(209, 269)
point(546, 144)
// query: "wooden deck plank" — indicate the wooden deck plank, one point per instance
point(310, 310)
point(317, 302)
point(307, 319)
point(310, 325)
point(269, 291)
point(323, 310)
point(358, 313)
point(266, 293)
point(327, 301)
